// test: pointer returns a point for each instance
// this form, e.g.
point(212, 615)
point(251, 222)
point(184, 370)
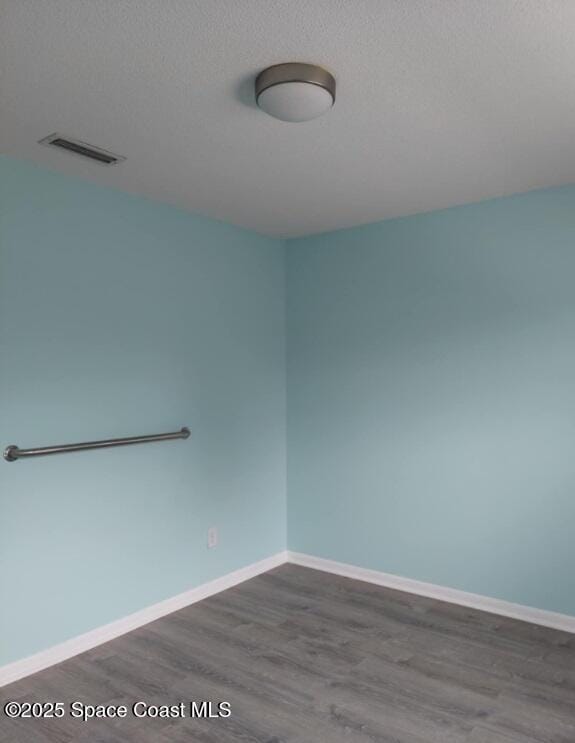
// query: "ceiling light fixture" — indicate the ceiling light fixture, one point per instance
point(295, 91)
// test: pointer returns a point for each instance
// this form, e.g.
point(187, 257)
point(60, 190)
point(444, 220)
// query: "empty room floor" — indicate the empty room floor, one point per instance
point(304, 656)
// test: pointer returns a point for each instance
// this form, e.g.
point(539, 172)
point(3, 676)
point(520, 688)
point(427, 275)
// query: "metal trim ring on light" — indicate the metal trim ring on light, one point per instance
point(295, 72)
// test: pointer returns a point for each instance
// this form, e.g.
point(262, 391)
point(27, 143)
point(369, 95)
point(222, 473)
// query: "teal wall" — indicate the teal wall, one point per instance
point(431, 397)
point(120, 316)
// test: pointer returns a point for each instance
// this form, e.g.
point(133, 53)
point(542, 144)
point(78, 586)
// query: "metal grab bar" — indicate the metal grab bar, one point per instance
point(12, 453)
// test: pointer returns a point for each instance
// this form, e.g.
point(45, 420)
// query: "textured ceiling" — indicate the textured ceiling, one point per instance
point(439, 102)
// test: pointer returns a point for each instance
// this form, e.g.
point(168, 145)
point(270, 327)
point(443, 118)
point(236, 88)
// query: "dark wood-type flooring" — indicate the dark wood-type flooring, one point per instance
point(307, 657)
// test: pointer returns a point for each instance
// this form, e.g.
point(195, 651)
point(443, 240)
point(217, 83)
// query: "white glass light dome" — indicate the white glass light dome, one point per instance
point(295, 91)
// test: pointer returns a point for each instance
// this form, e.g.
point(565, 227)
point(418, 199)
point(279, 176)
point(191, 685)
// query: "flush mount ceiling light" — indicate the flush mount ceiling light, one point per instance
point(295, 91)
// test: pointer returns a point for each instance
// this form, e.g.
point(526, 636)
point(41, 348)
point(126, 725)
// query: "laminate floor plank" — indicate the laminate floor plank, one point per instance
point(306, 657)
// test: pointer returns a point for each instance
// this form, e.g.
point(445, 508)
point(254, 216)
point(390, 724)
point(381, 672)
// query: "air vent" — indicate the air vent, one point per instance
point(82, 148)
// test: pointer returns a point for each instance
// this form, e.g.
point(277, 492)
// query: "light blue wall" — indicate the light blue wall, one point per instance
point(120, 316)
point(431, 397)
point(431, 390)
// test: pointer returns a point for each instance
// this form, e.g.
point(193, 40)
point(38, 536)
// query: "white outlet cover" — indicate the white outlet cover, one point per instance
point(212, 537)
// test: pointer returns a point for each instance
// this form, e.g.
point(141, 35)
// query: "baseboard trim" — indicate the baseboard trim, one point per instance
point(542, 617)
point(76, 645)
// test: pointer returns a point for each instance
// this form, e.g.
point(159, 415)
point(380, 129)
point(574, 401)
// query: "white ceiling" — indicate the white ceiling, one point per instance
point(439, 102)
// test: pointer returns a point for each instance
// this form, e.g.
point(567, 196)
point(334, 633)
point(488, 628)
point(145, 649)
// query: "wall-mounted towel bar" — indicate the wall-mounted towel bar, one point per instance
point(12, 453)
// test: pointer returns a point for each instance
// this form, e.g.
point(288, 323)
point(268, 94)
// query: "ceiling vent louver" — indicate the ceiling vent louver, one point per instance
point(83, 149)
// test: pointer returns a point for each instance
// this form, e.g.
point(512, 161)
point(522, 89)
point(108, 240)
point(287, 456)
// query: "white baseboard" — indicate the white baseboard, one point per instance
point(545, 618)
point(56, 654)
point(76, 645)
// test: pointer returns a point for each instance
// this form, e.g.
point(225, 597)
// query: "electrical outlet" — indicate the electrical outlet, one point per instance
point(212, 537)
